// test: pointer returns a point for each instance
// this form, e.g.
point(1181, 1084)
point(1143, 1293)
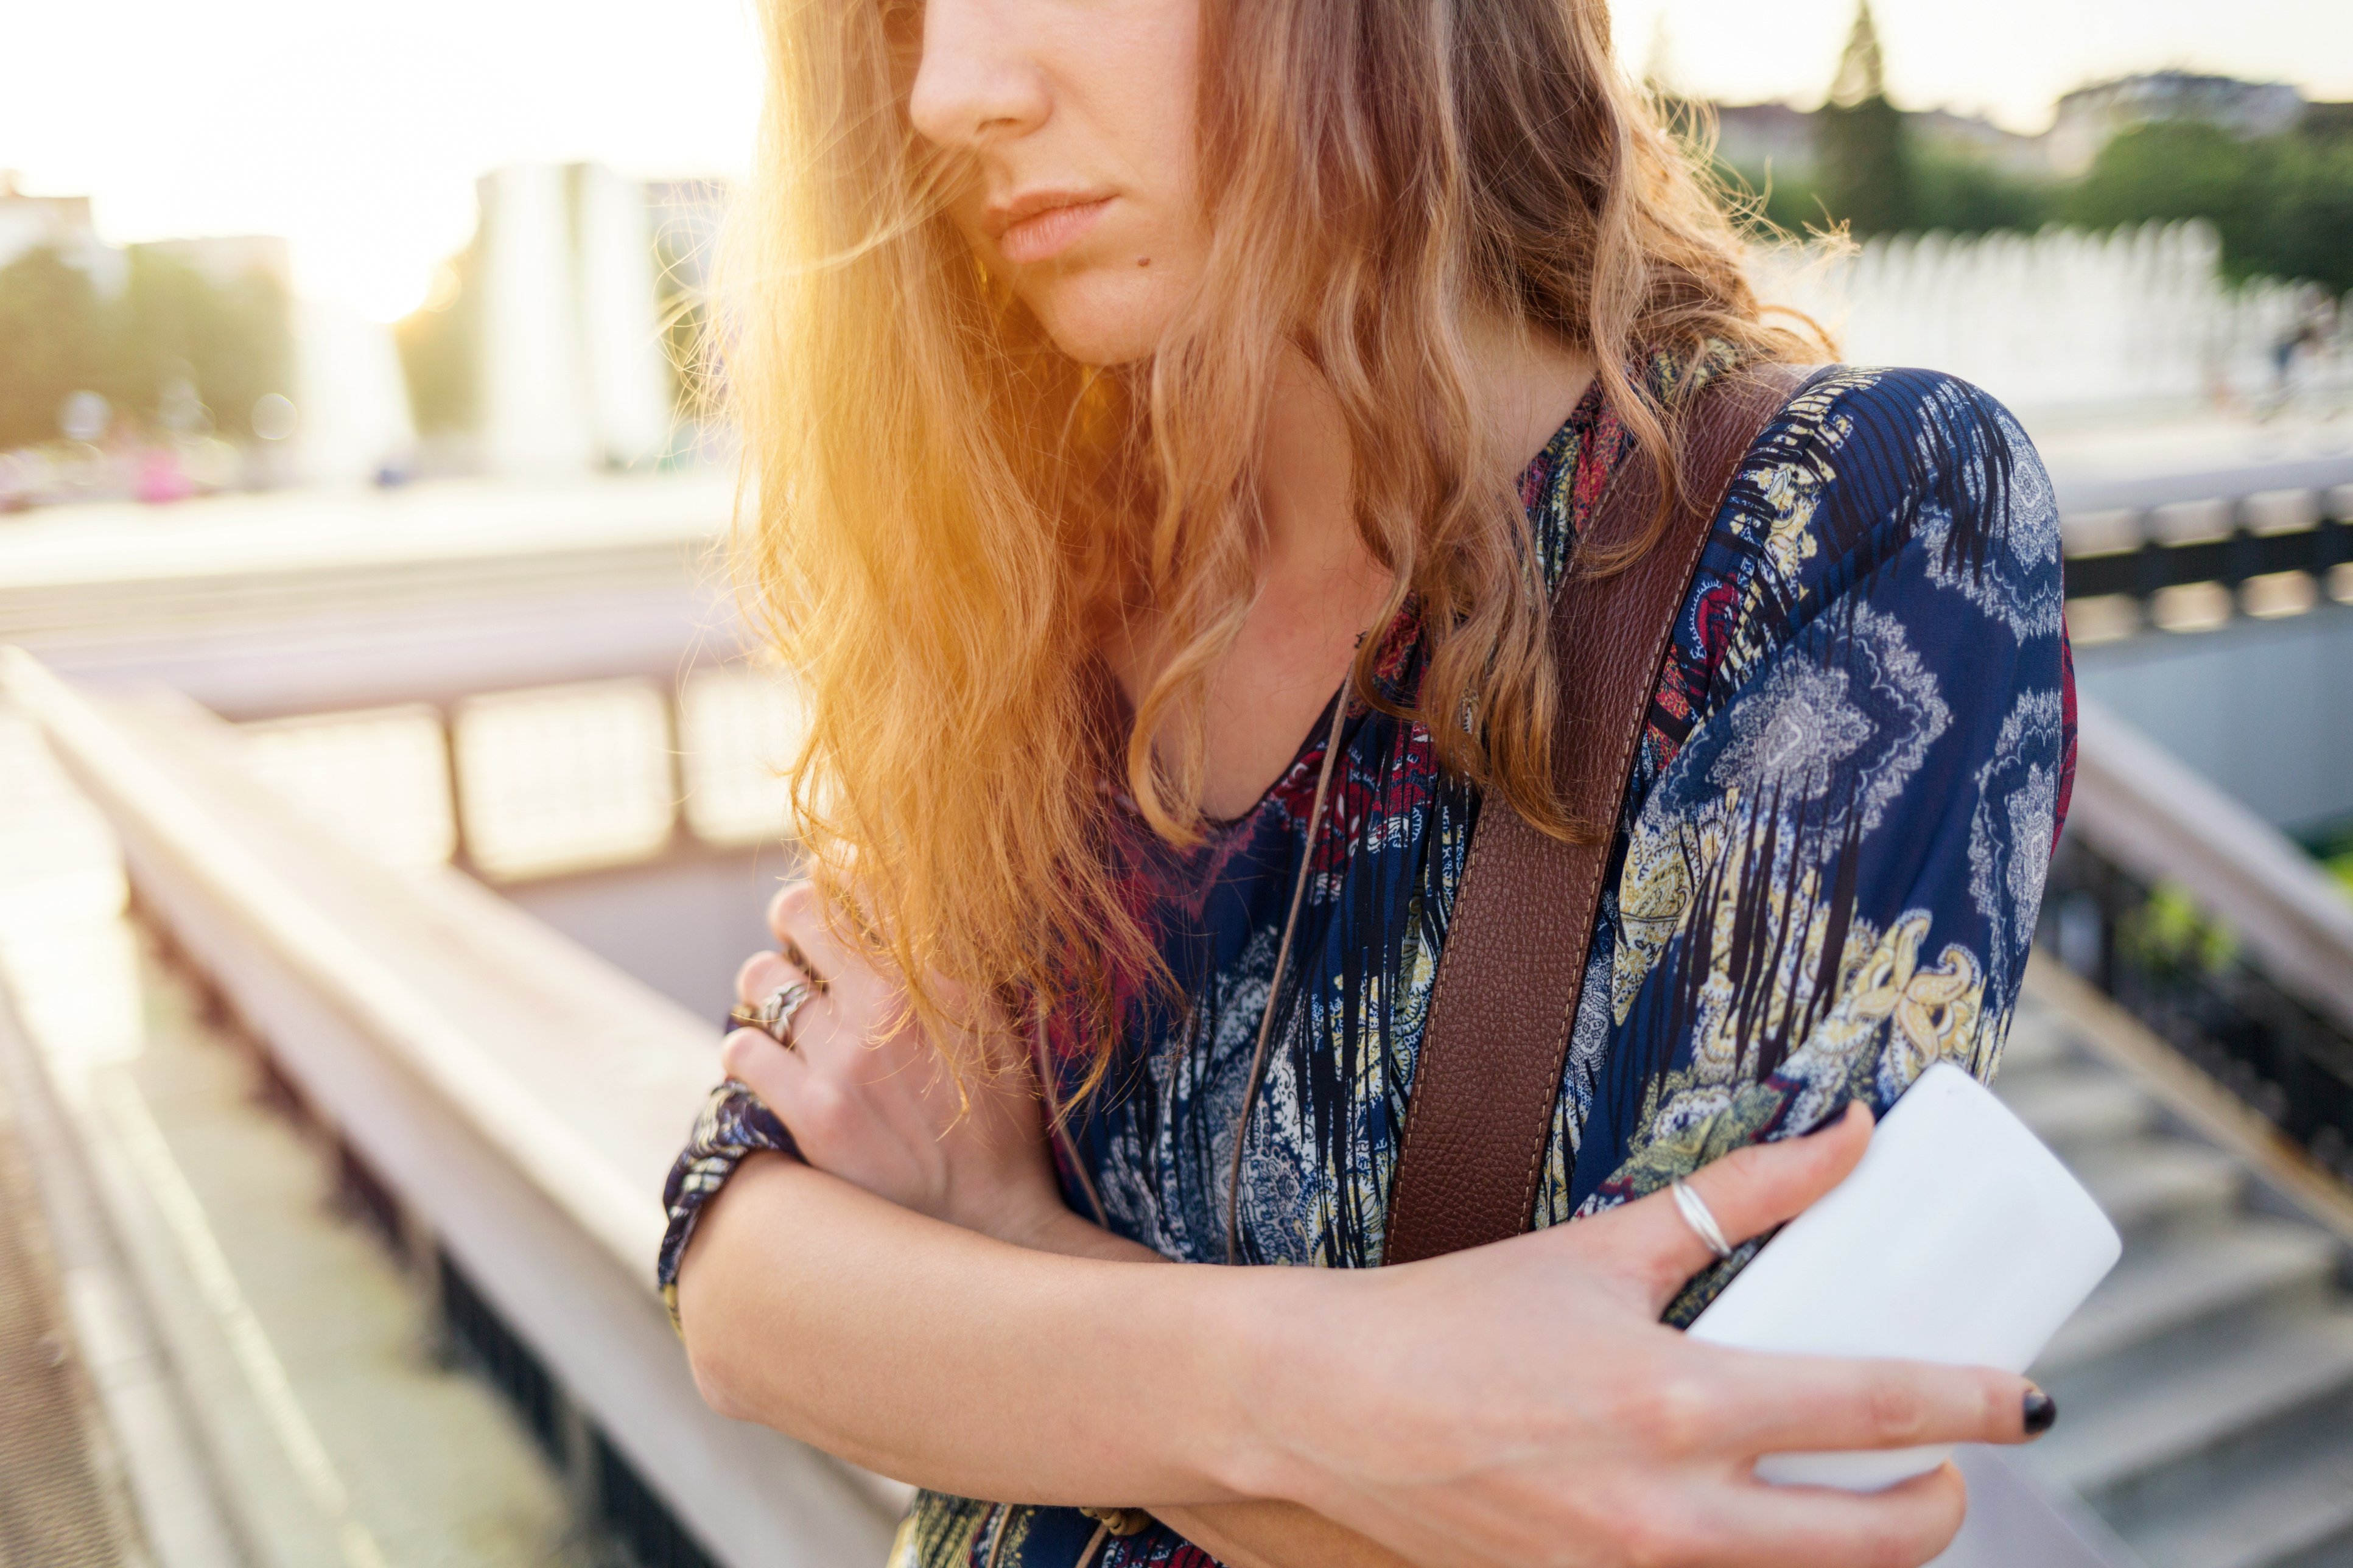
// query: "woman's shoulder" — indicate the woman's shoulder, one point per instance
point(1864, 465)
point(1912, 487)
point(1864, 448)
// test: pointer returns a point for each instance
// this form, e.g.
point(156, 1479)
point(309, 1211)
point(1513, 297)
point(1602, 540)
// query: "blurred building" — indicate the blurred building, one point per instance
point(2089, 116)
point(562, 339)
point(1975, 137)
point(554, 345)
point(354, 425)
point(1761, 137)
point(572, 366)
point(1758, 137)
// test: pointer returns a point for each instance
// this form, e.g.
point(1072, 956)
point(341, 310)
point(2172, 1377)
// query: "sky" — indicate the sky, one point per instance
point(356, 130)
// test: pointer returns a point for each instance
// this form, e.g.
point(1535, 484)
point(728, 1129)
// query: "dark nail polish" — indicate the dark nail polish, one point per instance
point(2042, 1412)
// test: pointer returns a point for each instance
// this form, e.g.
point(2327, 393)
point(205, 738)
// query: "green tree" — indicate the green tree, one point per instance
point(244, 349)
point(172, 342)
point(230, 343)
point(1963, 194)
point(2312, 228)
point(1866, 178)
point(2177, 169)
point(2283, 205)
point(53, 343)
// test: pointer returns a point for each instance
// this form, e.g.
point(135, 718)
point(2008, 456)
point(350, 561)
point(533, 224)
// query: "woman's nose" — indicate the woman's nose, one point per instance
point(977, 82)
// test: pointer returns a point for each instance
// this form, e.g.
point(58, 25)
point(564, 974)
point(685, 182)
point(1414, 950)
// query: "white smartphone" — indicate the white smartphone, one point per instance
point(1959, 1238)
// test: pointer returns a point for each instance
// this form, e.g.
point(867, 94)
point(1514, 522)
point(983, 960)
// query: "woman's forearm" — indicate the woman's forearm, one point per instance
point(1255, 1534)
point(1498, 1406)
point(957, 1362)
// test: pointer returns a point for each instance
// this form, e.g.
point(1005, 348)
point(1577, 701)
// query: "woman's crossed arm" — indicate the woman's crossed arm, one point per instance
point(923, 1313)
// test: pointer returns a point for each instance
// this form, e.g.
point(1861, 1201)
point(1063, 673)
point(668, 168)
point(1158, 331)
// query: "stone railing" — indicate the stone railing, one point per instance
point(512, 1102)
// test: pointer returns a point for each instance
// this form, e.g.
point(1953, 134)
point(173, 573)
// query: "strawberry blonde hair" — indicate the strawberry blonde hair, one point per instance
point(943, 516)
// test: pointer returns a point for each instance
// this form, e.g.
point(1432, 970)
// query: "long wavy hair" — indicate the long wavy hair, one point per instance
point(942, 517)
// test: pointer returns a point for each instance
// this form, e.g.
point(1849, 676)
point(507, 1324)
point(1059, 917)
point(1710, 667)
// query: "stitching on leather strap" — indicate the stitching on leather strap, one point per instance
point(1472, 1093)
point(1586, 892)
point(1479, 849)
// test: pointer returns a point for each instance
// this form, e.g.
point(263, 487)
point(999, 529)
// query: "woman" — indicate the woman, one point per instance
point(1119, 378)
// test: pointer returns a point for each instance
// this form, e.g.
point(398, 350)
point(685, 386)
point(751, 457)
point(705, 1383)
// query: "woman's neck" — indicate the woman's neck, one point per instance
point(1319, 588)
point(1526, 385)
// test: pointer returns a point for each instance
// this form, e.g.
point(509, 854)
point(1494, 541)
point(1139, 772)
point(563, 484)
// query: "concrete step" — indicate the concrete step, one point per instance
point(2201, 1404)
point(2297, 1502)
point(2159, 1181)
point(2070, 1106)
point(2171, 1282)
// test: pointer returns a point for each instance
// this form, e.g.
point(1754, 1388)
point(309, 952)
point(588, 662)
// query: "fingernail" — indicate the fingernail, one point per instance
point(2042, 1412)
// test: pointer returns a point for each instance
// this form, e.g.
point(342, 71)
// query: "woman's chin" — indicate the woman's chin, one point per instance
point(1101, 318)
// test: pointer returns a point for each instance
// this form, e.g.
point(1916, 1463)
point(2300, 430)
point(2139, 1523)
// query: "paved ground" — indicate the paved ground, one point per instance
point(59, 1505)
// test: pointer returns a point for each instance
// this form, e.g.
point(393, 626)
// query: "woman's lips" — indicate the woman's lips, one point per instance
point(1047, 232)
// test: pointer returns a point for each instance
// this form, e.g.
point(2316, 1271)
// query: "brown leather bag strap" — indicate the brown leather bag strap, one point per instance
point(1504, 1001)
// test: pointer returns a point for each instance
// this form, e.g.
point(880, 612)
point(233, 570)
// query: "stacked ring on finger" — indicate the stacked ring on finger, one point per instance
point(1700, 1218)
point(773, 1018)
point(790, 951)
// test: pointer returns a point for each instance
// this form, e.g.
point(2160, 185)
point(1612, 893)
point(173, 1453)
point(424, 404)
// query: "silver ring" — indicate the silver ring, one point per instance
point(773, 1018)
point(790, 951)
point(1696, 1215)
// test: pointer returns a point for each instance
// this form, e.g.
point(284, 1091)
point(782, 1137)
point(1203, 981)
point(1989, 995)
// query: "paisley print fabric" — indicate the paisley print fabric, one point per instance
point(1825, 877)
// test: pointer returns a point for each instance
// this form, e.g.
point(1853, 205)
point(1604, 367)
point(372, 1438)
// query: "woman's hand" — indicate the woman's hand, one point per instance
point(869, 1098)
point(1521, 1404)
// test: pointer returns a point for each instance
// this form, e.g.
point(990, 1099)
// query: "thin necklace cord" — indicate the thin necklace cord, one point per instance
point(1274, 982)
point(1043, 1058)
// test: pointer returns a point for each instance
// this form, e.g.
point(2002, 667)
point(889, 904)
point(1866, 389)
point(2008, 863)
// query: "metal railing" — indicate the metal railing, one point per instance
point(2265, 539)
point(518, 785)
point(2215, 930)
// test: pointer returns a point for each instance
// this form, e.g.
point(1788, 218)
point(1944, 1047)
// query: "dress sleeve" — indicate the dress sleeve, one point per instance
point(733, 1124)
point(1833, 881)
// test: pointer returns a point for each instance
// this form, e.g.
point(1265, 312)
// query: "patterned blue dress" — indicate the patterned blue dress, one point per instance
point(1825, 877)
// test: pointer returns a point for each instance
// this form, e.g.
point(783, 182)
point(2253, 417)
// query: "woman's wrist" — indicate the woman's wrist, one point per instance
point(1241, 1324)
point(1268, 1348)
